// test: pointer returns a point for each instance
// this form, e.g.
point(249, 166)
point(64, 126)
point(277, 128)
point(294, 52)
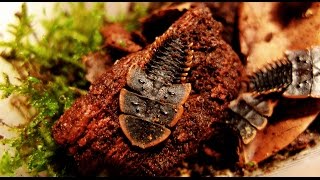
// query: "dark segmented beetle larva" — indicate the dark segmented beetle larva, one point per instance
point(295, 76)
point(298, 75)
point(249, 114)
point(152, 101)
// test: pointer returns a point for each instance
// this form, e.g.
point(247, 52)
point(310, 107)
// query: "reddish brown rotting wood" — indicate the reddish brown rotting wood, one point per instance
point(90, 129)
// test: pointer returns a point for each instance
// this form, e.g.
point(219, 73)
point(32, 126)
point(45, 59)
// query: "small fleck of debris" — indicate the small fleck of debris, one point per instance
point(308, 13)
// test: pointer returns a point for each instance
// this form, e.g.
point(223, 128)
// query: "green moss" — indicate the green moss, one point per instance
point(121, 43)
point(51, 75)
point(35, 146)
point(9, 163)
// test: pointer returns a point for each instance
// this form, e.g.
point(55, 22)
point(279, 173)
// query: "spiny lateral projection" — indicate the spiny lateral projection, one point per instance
point(153, 101)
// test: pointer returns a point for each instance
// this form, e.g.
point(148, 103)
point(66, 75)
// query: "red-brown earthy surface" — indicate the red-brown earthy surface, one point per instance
point(90, 128)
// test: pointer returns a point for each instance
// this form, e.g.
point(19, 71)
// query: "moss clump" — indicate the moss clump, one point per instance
point(51, 76)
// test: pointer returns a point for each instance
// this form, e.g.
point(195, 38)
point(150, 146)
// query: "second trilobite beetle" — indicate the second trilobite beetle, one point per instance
point(295, 76)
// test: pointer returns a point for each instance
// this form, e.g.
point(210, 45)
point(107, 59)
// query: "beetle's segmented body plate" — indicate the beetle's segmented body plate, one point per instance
point(305, 73)
point(315, 55)
point(150, 110)
point(152, 102)
point(246, 130)
point(249, 114)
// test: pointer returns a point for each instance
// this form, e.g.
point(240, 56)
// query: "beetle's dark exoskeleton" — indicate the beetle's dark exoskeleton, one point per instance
point(305, 73)
point(298, 74)
point(152, 101)
point(250, 113)
point(295, 76)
